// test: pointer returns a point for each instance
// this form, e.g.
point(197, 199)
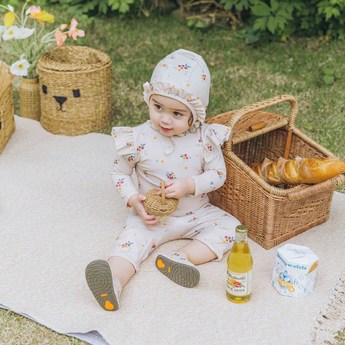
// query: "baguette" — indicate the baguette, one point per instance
point(298, 170)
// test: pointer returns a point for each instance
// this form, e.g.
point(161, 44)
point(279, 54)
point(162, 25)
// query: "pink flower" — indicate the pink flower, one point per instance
point(73, 31)
point(63, 26)
point(60, 38)
point(33, 11)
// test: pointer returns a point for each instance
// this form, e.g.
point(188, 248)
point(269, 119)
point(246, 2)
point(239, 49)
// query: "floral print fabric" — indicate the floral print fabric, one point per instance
point(157, 158)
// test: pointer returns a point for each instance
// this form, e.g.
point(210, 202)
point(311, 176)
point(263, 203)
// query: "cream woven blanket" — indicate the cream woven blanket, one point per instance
point(59, 211)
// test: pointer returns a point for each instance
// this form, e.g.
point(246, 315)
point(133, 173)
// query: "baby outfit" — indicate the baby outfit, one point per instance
point(183, 76)
point(156, 158)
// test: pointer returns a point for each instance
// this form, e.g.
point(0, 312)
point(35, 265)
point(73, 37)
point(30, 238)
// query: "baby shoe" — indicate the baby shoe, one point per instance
point(101, 283)
point(178, 269)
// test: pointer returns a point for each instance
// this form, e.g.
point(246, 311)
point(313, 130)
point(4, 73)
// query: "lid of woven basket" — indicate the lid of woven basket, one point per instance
point(5, 77)
point(73, 59)
point(159, 205)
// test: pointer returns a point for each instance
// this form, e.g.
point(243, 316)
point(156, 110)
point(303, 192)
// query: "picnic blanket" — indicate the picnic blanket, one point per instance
point(59, 211)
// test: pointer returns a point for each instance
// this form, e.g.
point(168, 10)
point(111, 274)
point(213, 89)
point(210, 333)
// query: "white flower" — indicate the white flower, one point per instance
point(2, 29)
point(20, 67)
point(23, 33)
point(10, 8)
point(10, 33)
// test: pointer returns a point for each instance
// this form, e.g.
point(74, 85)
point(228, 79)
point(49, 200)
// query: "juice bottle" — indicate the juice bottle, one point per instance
point(240, 264)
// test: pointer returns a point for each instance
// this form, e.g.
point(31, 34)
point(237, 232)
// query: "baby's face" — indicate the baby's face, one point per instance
point(169, 116)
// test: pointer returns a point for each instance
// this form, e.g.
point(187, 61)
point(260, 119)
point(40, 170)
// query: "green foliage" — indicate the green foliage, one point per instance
point(329, 75)
point(86, 11)
point(97, 6)
point(280, 19)
point(238, 5)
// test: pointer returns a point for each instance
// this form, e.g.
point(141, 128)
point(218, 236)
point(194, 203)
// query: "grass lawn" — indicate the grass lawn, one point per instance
point(241, 75)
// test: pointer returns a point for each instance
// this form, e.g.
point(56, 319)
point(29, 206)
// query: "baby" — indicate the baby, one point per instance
point(177, 147)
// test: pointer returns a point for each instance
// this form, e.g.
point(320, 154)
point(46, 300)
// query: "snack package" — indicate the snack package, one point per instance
point(294, 271)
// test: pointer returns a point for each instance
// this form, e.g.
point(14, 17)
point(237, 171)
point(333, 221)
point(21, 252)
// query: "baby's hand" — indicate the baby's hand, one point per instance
point(179, 188)
point(136, 201)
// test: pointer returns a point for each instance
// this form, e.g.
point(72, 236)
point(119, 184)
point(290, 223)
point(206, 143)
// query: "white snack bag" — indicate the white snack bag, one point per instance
point(294, 271)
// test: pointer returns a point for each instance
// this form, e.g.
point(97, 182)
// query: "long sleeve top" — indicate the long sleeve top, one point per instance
point(155, 158)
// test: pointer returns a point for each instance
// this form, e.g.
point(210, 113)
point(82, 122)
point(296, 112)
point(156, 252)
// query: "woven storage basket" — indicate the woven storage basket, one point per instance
point(7, 124)
point(75, 86)
point(271, 214)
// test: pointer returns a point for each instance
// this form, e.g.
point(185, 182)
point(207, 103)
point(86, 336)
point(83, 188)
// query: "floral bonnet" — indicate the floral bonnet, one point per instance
point(184, 76)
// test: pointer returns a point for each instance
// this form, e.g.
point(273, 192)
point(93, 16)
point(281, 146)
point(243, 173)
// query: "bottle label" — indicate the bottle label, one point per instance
point(239, 284)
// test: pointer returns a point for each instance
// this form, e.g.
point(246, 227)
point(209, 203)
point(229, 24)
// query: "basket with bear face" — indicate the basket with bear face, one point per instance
point(75, 87)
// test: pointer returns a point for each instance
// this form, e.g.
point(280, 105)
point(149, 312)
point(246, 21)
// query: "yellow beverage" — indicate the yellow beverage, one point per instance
point(240, 264)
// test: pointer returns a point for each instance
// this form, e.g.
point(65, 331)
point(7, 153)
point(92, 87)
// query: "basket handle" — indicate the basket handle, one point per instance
point(241, 113)
point(162, 185)
point(322, 187)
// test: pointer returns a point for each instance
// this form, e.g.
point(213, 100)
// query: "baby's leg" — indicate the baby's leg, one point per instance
point(122, 269)
point(179, 266)
point(212, 235)
point(197, 252)
point(106, 279)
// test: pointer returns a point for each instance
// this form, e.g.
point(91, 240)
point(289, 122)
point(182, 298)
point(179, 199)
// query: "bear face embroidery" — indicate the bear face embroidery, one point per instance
point(61, 99)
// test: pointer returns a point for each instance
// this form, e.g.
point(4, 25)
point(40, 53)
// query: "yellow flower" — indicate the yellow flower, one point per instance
point(9, 19)
point(45, 17)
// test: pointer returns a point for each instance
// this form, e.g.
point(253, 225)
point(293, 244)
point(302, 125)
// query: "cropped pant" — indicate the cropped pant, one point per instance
point(209, 225)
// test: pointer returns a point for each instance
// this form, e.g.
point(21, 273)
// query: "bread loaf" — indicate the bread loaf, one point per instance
point(298, 170)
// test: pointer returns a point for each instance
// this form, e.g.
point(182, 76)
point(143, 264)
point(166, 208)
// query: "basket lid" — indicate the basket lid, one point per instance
point(73, 59)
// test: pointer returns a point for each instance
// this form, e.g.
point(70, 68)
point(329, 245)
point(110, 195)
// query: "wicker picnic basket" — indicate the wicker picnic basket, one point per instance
point(271, 214)
point(75, 85)
point(7, 124)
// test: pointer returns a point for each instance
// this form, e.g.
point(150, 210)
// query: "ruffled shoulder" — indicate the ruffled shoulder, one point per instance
point(124, 140)
point(213, 137)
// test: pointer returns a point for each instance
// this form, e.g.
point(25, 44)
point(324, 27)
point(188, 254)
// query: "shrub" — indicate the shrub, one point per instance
point(271, 19)
point(87, 10)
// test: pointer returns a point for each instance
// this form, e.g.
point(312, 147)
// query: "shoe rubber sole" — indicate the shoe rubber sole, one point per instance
point(181, 274)
point(100, 281)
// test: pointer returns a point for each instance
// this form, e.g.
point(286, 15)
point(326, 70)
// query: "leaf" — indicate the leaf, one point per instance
point(200, 25)
point(274, 5)
point(145, 12)
point(103, 7)
point(242, 5)
point(272, 24)
point(260, 24)
point(228, 4)
point(328, 79)
point(190, 23)
point(251, 37)
point(327, 71)
point(336, 12)
point(281, 22)
point(261, 10)
point(124, 7)
point(337, 74)
point(114, 4)
point(328, 12)
point(283, 13)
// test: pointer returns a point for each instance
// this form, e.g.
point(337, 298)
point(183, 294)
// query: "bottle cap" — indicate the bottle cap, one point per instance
point(241, 229)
